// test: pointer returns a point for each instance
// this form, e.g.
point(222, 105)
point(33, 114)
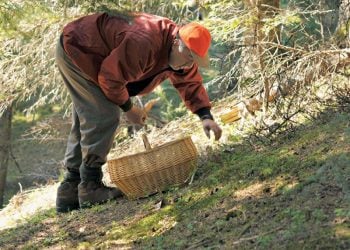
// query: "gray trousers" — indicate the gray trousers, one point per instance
point(94, 122)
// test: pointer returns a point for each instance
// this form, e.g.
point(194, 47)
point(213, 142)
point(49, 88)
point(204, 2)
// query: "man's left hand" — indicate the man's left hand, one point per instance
point(208, 125)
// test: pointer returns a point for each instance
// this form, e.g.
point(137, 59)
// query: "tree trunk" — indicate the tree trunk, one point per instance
point(343, 27)
point(5, 144)
point(344, 13)
point(262, 9)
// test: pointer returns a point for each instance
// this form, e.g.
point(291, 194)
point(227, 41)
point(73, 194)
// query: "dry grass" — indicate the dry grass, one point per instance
point(26, 204)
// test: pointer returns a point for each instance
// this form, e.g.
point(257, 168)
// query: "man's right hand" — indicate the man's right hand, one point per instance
point(136, 115)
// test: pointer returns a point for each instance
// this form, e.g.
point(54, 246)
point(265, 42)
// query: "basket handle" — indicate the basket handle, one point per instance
point(146, 142)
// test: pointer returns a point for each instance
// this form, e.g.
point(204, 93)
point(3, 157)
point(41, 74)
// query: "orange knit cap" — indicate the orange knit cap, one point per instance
point(197, 38)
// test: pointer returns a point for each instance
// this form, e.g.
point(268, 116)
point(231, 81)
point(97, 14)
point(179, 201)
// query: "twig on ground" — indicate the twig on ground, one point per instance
point(236, 242)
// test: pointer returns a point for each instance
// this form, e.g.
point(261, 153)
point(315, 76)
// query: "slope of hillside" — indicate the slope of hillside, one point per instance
point(292, 193)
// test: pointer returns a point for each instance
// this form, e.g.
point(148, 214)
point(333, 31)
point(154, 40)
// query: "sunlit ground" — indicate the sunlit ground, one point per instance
point(22, 206)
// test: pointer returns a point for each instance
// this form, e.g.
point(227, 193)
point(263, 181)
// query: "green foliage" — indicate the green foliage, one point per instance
point(39, 217)
point(99, 208)
point(26, 57)
point(171, 104)
point(319, 20)
point(22, 17)
point(342, 212)
point(10, 13)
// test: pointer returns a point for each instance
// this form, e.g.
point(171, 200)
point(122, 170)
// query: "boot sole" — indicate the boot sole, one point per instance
point(66, 208)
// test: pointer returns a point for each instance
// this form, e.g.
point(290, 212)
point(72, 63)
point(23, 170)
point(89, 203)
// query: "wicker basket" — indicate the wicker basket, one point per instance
point(156, 169)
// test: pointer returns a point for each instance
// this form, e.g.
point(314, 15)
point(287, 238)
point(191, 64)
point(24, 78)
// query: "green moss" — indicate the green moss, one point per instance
point(41, 216)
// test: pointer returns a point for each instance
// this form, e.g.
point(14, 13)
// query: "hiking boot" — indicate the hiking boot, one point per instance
point(67, 196)
point(92, 193)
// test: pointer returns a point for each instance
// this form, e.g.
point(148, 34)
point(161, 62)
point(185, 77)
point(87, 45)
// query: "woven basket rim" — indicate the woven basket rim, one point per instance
point(140, 174)
point(152, 150)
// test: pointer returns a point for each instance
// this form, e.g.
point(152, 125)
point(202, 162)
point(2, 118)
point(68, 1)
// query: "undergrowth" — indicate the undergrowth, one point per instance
point(293, 193)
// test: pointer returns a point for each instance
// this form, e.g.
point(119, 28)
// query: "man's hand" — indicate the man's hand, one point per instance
point(208, 125)
point(136, 115)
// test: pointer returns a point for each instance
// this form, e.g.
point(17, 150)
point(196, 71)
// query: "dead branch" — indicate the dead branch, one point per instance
point(239, 241)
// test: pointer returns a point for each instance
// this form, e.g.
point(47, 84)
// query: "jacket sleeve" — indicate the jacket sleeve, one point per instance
point(191, 90)
point(126, 63)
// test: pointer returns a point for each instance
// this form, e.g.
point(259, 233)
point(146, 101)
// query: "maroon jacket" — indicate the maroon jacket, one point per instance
point(131, 58)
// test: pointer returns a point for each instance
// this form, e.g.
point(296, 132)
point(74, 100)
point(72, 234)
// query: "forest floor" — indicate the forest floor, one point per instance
point(37, 149)
point(292, 192)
